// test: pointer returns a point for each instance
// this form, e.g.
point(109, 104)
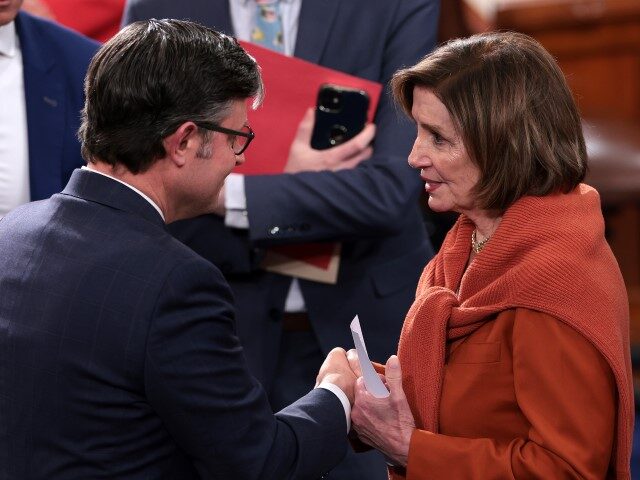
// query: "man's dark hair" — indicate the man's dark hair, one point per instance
point(152, 77)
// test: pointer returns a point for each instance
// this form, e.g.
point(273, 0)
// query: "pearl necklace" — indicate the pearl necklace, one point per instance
point(475, 244)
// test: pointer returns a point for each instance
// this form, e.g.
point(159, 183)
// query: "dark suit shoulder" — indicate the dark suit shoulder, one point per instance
point(45, 43)
point(59, 35)
point(55, 61)
point(54, 43)
point(192, 261)
point(19, 217)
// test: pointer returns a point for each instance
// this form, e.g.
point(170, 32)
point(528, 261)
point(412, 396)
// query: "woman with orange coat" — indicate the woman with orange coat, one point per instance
point(514, 358)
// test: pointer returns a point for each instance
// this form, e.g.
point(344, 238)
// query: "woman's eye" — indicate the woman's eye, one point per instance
point(437, 139)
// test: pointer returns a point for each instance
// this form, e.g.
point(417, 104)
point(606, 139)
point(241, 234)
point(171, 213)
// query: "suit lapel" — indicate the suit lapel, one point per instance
point(45, 104)
point(314, 26)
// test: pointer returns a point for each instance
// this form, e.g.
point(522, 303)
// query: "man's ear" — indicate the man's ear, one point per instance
point(181, 143)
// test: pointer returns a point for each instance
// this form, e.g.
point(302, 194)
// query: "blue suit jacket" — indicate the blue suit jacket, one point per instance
point(373, 209)
point(55, 61)
point(118, 357)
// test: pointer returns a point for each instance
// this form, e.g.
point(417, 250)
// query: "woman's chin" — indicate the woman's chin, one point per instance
point(437, 206)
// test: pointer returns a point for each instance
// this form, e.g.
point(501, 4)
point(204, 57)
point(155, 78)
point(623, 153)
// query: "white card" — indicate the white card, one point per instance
point(372, 381)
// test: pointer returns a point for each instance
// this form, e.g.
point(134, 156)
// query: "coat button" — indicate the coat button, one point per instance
point(274, 230)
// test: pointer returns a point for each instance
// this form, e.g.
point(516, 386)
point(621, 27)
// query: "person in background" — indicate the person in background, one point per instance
point(118, 355)
point(42, 67)
point(514, 358)
point(97, 19)
point(288, 325)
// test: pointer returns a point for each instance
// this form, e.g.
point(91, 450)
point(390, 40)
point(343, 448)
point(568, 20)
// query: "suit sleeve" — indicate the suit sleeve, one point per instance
point(567, 392)
point(197, 381)
point(366, 201)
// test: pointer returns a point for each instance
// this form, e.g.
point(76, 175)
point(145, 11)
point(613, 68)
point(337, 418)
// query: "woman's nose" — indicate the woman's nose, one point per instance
point(416, 157)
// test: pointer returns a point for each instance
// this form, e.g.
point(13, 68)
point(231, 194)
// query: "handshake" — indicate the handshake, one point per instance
point(342, 369)
point(385, 424)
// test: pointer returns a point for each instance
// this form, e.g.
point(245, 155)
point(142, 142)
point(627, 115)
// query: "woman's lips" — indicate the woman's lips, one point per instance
point(431, 185)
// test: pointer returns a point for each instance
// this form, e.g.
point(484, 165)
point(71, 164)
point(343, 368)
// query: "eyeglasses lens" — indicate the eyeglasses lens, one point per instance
point(239, 141)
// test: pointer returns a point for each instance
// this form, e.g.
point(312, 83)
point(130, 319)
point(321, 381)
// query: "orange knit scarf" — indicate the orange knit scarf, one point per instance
point(548, 254)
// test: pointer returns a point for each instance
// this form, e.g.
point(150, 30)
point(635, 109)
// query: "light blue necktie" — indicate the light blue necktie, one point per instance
point(267, 31)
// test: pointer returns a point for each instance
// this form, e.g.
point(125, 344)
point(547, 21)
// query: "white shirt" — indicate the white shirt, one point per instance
point(243, 19)
point(14, 146)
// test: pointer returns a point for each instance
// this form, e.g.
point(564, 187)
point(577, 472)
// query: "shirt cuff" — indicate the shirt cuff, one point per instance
point(337, 391)
point(235, 202)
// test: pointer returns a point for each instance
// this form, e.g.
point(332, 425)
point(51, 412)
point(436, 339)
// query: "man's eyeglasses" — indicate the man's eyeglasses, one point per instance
point(240, 139)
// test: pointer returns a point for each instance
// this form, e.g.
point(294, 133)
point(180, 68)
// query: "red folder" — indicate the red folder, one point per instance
point(291, 87)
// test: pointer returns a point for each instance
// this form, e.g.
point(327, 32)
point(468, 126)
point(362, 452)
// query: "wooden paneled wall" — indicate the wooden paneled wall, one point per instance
point(597, 45)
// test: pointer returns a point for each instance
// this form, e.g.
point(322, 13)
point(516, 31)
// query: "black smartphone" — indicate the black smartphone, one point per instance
point(341, 113)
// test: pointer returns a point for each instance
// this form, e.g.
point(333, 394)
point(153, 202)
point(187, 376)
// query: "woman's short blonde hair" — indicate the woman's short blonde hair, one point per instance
point(513, 109)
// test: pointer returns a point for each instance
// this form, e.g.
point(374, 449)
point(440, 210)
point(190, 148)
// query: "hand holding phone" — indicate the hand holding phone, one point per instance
point(303, 158)
point(341, 113)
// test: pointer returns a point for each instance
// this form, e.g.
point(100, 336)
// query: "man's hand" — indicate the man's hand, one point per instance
point(347, 155)
point(385, 423)
point(335, 369)
point(352, 356)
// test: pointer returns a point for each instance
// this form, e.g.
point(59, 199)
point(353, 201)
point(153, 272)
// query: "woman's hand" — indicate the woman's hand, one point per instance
point(385, 423)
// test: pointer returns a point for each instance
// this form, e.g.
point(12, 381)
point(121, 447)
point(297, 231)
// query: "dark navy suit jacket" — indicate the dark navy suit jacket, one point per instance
point(373, 209)
point(118, 357)
point(55, 60)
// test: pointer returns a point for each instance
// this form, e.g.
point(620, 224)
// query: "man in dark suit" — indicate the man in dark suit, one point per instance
point(118, 356)
point(371, 209)
point(43, 68)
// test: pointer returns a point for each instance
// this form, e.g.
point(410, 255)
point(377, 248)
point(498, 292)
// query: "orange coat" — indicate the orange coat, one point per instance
point(524, 396)
point(519, 361)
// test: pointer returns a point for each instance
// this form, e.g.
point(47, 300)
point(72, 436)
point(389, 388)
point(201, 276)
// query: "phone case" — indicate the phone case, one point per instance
point(341, 113)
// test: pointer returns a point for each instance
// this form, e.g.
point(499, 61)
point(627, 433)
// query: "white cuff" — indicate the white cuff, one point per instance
point(235, 202)
point(332, 387)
